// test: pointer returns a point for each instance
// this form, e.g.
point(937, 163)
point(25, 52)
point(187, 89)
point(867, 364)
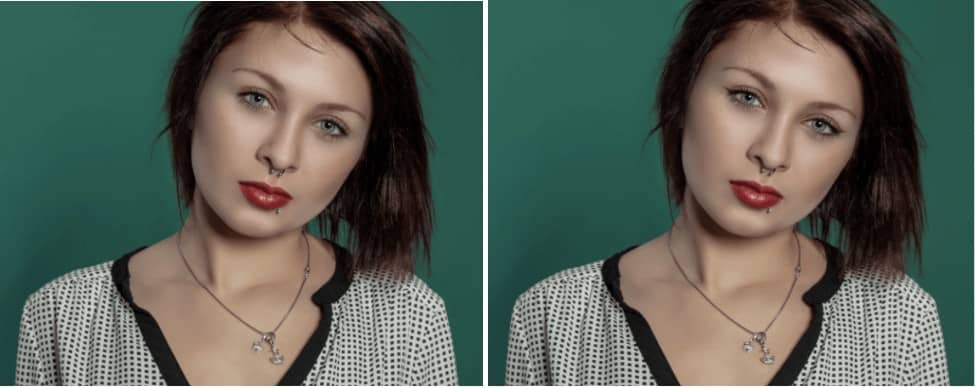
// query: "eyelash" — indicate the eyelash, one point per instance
point(734, 94)
point(339, 131)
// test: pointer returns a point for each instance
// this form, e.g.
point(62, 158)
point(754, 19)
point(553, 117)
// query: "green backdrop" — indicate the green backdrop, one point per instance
point(83, 89)
point(572, 182)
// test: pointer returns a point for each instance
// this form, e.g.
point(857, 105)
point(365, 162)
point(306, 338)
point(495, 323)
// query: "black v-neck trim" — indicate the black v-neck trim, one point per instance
point(654, 357)
point(330, 292)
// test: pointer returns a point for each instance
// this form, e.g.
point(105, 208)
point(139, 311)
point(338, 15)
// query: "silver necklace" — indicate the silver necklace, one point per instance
point(267, 337)
point(758, 337)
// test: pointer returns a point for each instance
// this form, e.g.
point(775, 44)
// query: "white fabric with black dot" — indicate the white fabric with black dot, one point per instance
point(574, 329)
point(83, 329)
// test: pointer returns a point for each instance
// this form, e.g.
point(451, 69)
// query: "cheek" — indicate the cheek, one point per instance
point(221, 131)
point(817, 171)
point(715, 135)
point(330, 165)
point(226, 125)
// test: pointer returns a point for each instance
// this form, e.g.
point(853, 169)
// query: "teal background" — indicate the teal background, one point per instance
point(83, 88)
point(572, 181)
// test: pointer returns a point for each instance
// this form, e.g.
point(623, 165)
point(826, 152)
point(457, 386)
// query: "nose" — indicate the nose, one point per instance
point(281, 148)
point(770, 150)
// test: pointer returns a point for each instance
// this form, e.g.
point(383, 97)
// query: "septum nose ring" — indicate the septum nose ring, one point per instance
point(279, 174)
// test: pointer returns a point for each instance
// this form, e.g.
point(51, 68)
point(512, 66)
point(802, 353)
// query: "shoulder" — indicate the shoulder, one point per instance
point(872, 296)
point(80, 291)
point(903, 322)
point(564, 286)
point(81, 282)
point(583, 275)
point(871, 286)
point(400, 292)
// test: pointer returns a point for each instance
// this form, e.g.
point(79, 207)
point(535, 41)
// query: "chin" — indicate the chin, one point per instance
point(240, 217)
point(749, 227)
point(737, 220)
point(248, 226)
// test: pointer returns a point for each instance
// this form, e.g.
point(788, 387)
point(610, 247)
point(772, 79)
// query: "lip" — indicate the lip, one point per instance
point(264, 195)
point(755, 195)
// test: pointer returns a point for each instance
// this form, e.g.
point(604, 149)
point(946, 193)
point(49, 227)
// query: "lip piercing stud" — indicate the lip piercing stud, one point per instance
point(769, 210)
point(278, 211)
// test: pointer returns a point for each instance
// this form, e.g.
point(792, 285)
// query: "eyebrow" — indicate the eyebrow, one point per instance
point(766, 83)
point(276, 85)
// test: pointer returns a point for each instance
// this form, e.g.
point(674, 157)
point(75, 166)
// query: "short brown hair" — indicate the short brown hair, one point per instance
point(877, 199)
point(385, 203)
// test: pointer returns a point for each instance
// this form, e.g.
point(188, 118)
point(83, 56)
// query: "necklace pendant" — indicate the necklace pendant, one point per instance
point(767, 357)
point(277, 359)
point(747, 346)
point(256, 346)
point(760, 338)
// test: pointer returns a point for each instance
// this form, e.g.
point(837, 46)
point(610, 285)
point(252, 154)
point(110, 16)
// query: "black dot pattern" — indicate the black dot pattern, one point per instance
point(569, 330)
point(79, 330)
point(387, 333)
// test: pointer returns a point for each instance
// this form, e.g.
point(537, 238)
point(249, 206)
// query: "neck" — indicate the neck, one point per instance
point(718, 261)
point(227, 261)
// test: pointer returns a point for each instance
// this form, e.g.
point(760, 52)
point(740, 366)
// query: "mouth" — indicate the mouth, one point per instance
point(263, 195)
point(754, 194)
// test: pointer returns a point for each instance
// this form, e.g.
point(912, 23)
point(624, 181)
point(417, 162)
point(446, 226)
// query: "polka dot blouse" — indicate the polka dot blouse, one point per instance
point(83, 329)
point(575, 329)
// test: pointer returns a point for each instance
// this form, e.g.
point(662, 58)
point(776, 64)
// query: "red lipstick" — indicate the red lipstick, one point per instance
point(264, 195)
point(755, 195)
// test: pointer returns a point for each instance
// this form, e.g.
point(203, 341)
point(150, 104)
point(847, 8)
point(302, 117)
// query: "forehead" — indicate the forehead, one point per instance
point(794, 57)
point(306, 61)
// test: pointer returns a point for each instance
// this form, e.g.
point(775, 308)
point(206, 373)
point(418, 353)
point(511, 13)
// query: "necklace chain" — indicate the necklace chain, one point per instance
point(179, 246)
point(796, 275)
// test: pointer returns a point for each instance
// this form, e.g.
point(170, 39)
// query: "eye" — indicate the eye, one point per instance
point(823, 127)
point(254, 99)
point(746, 98)
point(331, 128)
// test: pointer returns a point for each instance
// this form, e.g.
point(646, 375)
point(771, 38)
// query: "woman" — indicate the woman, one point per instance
point(770, 112)
point(278, 113)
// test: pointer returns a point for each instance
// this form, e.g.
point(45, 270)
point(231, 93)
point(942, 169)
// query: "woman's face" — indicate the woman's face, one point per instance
point(272, 100)
point(782, 98)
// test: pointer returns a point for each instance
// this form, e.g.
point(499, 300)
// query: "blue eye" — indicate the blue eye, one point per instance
point(823, 127)
point(331, 128)
point(746, 98)
point(256, 100)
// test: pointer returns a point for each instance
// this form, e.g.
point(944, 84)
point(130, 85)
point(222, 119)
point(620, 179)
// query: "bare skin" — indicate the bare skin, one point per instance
point(210, 345)
point(701, 346)
point(799, 116)
point(290, 99)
